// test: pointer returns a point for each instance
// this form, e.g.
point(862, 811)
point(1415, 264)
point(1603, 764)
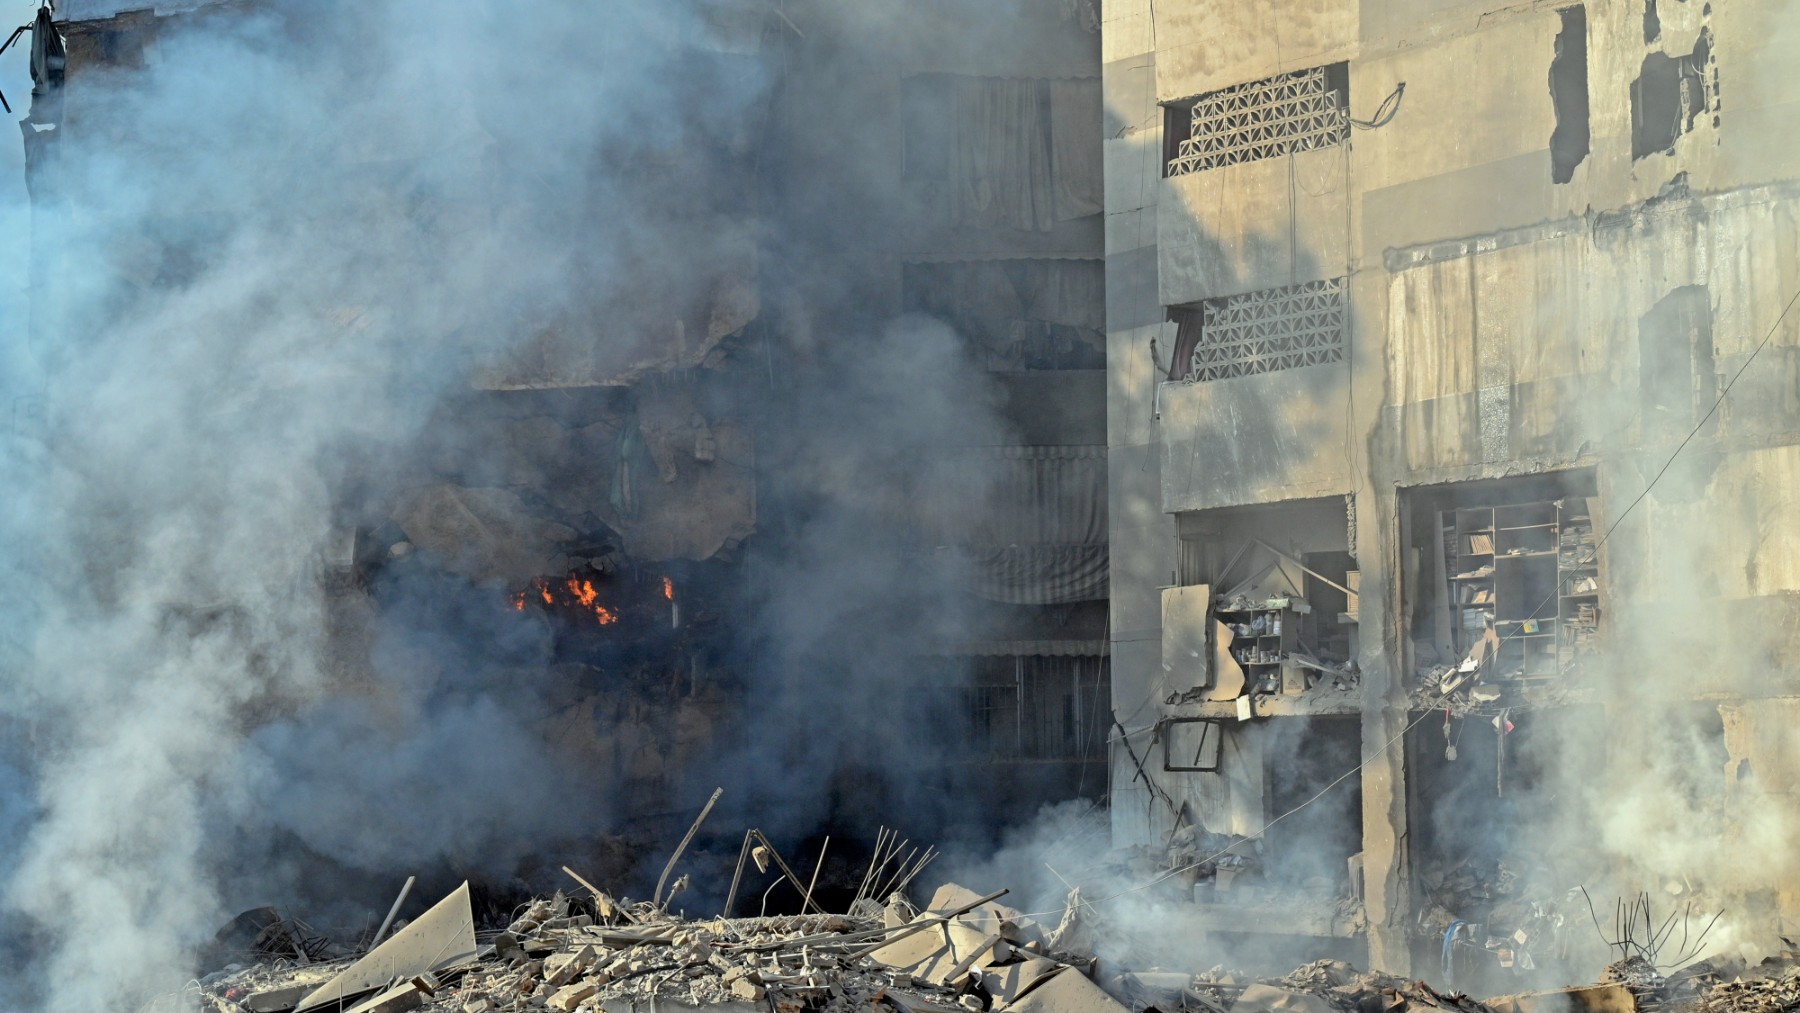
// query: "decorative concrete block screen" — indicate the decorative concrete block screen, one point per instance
point(1263, 119)
point(1277, 328)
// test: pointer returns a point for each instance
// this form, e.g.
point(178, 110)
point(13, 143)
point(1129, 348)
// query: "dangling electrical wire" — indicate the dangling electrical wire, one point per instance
point(1384, 113)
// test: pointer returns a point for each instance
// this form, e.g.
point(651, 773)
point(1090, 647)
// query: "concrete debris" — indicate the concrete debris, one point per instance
point(1325, 986)
point(442, 937)
point(963, 953)
point(1066, 991)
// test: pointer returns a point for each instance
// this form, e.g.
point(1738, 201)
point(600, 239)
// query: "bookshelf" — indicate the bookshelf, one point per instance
point(1530, 570)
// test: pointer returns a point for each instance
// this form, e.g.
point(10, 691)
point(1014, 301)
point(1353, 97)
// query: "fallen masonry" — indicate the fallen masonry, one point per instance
point(962, 952)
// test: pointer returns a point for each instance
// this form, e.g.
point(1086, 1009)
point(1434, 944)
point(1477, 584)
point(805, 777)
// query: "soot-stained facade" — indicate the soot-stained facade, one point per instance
point(1406, 311)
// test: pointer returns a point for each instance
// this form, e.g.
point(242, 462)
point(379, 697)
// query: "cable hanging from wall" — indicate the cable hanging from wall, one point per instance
point(1384, 113)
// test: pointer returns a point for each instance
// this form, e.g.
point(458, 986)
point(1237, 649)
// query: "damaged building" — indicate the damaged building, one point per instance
point(1408, 314)
point(1352, 449)
point(627, 477)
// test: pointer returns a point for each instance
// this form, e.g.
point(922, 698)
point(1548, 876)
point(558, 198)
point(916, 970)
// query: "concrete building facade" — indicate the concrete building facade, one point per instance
point(1407, 313)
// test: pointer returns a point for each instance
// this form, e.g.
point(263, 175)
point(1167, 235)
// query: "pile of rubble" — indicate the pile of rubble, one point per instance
point(963, 954)
point(1324, 986)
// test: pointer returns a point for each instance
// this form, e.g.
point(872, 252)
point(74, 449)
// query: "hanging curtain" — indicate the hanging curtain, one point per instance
point(1001, 166)
point(1022, 525)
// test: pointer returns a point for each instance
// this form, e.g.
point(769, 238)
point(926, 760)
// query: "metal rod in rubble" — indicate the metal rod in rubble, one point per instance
point(685, 841)
point(381, 932)
point(815, 876)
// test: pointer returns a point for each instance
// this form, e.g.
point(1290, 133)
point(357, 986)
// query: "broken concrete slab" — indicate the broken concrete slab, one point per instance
point(398, 999)
point(938, 953)
point(1067, 991)
point(1011, 981)
point(1012, 924)
point(562, 968)
point(485, 534)
point(441, 937)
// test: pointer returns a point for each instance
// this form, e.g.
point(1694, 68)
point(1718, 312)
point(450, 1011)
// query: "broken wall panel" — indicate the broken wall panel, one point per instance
point(444, 936)
point(1672, 95)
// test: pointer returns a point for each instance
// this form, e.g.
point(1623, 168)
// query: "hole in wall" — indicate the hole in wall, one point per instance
point(1669, 94)
point(1569, 142)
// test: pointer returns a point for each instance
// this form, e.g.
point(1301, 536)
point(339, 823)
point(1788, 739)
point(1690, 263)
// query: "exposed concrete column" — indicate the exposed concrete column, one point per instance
point(1141, 535)
point(1387, 890)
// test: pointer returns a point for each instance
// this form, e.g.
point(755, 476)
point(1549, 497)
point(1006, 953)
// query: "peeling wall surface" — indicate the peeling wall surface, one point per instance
point(1565, 231)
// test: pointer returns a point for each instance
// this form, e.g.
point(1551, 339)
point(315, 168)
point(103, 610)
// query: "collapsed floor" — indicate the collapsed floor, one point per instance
point(960, 953)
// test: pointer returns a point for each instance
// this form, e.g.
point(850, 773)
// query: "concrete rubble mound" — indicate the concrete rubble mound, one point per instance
point(1324, 986)
point(962, 953)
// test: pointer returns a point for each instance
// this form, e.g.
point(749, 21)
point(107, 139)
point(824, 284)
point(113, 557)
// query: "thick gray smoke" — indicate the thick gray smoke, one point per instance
point(278, 248)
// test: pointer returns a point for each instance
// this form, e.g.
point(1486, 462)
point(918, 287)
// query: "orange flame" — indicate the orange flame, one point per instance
point(583, 590)
point(668, 589)
point(580, 592)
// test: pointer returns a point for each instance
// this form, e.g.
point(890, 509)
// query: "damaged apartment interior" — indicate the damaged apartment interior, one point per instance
point(956, 506)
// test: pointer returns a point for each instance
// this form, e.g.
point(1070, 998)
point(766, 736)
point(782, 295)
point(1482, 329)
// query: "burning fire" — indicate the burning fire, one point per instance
point(573, 591)
point(668, 589)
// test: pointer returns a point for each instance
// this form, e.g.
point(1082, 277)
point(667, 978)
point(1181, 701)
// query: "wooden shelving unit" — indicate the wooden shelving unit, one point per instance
point(1531, 571)
point(1261, 640)
point(1578, 579)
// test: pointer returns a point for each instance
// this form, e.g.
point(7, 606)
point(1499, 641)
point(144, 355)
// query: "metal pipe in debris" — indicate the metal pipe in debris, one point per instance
point(657, 898)
point(381, 933)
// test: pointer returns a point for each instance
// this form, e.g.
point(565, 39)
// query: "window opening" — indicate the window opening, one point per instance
point(1191, 745)
point(1260, 332)
point(1569, 142)
point(1276, 116)
point(1670, 94)
point(1523, 587)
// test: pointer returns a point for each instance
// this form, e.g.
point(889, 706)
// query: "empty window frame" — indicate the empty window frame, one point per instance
point(1260, 332)
point(1192, 744)
point(1276, 116)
